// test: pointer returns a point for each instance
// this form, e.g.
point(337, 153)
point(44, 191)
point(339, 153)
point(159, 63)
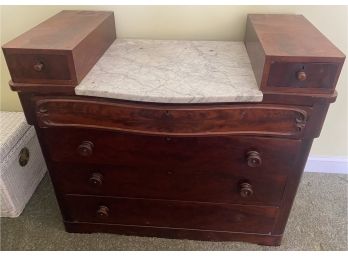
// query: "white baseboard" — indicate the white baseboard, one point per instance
point(327, 164)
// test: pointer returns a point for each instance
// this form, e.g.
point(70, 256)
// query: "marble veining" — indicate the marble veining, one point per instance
point(172, 71)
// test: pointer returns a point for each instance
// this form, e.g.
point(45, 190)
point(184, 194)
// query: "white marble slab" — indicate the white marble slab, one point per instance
point(170, 71)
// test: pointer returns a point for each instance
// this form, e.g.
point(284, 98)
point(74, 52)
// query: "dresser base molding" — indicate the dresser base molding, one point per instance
point(172, 233)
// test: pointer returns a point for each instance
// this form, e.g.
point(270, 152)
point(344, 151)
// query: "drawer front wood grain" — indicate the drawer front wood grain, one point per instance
point(171, 183)
point(174, 214)
point(320, 76)
point(62, 49)
point(243, 119)
point(40, 68)
point(163, 153)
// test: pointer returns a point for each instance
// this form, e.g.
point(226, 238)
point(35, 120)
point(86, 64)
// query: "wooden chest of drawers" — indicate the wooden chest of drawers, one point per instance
point(206, 171)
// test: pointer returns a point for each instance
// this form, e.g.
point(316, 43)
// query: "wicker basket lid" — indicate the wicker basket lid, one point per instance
point(12, 128)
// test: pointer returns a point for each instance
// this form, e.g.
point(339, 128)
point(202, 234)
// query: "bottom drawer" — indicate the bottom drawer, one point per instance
point(173, 214)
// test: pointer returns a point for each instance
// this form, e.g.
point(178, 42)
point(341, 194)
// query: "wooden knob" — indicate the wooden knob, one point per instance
point(103, 211)
point(254, 159)
point(301, 121)
point(301, 75)
point(96, 179)
point(85, 148)
point(246, 190)
point(38, 66)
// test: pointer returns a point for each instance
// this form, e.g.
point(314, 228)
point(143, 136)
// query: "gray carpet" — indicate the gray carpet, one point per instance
point(318, 221)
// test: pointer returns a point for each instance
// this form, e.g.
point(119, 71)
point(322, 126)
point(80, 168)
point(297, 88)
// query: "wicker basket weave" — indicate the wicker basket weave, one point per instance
point(22, 165)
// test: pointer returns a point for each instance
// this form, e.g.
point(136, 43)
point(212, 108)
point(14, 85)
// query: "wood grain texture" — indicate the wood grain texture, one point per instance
point(318, 75)
point(59, 44)
point(280, 46)
point(173, 183)
point(287, 98)
point(174, 214)
point(63, 31)
point(226, 171)
point(192, 234)
point(293, 36)
point(135, 157)
point(244, 119)
point(183, 153)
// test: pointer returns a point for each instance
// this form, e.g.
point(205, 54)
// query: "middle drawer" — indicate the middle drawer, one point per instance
point(212, 169)
point(248, 187)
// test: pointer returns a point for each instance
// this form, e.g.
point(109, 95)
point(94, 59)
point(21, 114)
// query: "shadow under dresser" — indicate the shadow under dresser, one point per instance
point(201, 140)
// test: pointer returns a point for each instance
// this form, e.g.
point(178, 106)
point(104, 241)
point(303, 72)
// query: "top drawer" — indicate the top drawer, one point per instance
point(180, 120)
point(290, 55)
point(41, 68)
point(62, 49)
point(318, 76)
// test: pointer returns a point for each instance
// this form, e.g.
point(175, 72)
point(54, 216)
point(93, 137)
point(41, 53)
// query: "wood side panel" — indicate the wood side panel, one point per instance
point(63, 31)
point(103, 36)
point(317, 119)
point(255, 51)
point(54, 52)
point(293, 36)
point(59, 195)
point(291, 188)
point(28, 107)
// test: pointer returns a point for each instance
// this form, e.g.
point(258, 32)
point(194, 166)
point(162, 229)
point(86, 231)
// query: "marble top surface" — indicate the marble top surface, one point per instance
point(171, 71)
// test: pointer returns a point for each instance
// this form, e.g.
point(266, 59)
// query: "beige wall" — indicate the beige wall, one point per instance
point(198, 23)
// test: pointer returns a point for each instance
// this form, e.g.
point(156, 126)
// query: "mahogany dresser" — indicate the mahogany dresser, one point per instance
point(201, 140)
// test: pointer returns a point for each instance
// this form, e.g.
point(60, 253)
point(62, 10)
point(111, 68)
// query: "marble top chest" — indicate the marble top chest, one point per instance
point(202, 140)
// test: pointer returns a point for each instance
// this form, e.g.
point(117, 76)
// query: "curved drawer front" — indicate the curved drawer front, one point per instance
point(215, 186)
point(243, 119)
point(184, 153)
point(171, 167)
point(174, 214)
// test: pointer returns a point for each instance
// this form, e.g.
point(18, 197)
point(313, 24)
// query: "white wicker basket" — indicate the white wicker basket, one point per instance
point(22, 165)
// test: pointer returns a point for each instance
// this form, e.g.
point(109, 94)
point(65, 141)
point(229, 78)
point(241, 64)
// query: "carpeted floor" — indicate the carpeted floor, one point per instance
point(318, 221)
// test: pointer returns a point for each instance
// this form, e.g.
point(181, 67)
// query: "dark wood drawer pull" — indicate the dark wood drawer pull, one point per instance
point(85, 148)
point(254, 159)
point(246, 190)
point(301, 76)
point(103, 211)
point(96, 179)
point(301, 121)
point(38, 66)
